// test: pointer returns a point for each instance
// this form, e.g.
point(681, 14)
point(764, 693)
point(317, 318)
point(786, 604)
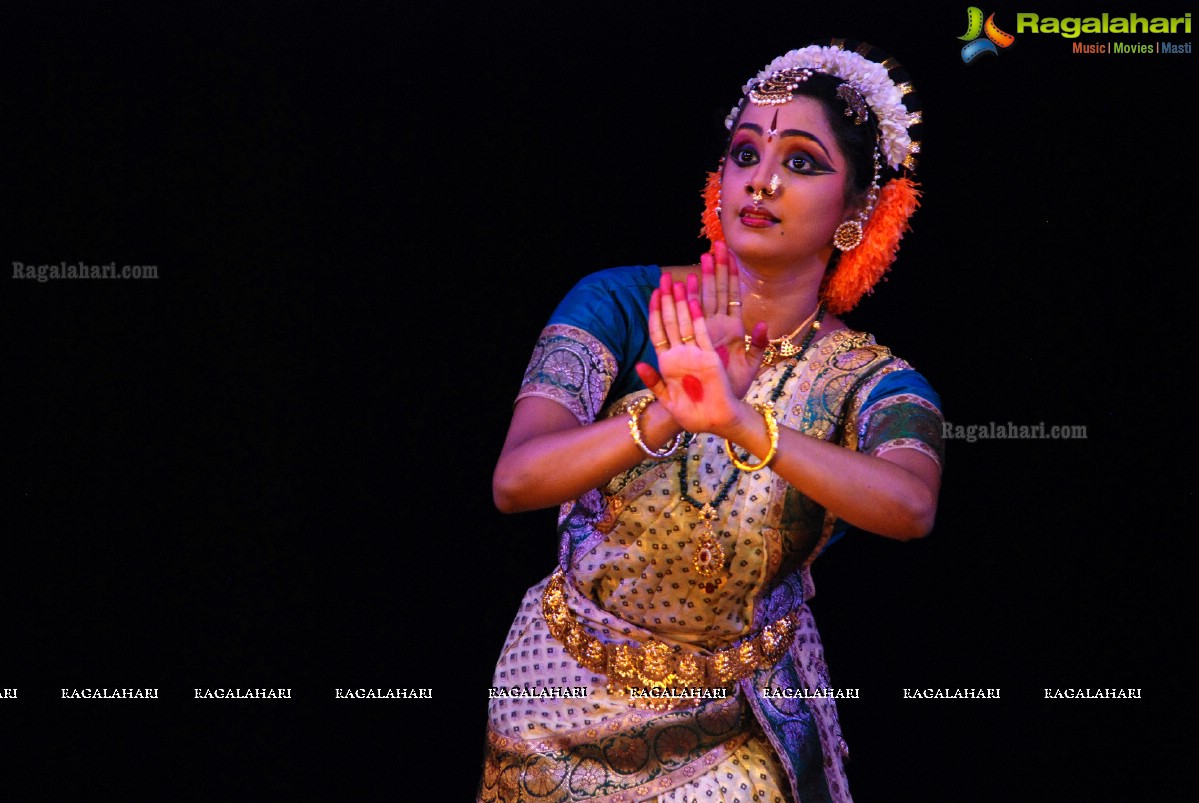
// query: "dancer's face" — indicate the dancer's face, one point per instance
point(795, 222)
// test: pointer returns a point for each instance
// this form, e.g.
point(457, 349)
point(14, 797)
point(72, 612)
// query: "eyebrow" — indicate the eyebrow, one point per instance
point(790, 132)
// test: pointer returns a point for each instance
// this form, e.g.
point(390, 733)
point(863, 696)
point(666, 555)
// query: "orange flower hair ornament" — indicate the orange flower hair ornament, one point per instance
point(711, 217)
point(860, 269)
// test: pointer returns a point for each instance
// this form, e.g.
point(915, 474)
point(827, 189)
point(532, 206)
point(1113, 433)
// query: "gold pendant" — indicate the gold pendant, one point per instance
point(709, 554)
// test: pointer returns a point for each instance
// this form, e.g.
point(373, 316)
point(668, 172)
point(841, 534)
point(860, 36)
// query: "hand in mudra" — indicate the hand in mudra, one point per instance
point(695, 377)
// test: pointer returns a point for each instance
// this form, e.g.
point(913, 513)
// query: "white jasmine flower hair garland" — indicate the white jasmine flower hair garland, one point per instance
point(870, 78)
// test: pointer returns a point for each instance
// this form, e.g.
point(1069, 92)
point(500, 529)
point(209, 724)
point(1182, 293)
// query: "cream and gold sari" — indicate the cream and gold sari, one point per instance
point(697, 688)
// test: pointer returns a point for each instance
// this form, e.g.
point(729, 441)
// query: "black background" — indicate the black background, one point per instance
point(270, 467)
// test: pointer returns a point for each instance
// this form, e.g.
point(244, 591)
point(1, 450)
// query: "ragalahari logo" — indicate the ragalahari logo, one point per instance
point(975, 27)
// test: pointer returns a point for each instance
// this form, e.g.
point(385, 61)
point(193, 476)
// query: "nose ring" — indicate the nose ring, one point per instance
point(767, 192)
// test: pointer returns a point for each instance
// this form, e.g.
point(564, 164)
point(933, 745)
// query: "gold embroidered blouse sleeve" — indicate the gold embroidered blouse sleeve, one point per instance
point(893, 494)
point(554, 421)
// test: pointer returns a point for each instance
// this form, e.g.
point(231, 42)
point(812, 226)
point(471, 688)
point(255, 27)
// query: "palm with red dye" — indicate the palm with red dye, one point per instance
point(709, 410)
point(692, 381)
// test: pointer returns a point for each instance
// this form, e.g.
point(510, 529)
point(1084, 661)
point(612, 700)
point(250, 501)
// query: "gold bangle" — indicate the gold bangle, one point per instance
point(772, 427)
point(635, 410)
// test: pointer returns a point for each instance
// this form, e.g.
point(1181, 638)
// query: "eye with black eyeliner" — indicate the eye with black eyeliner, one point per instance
point(806, 165)
point(743, 155)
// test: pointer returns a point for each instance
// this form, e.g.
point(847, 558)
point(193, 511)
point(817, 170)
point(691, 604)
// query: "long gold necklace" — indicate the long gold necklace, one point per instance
point(784, 347)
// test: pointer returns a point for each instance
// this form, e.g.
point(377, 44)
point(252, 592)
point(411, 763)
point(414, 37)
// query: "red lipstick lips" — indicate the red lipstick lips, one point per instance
point(756, 217)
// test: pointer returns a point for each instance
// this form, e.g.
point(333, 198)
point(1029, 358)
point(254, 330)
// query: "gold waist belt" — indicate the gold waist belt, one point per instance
point(657, 666)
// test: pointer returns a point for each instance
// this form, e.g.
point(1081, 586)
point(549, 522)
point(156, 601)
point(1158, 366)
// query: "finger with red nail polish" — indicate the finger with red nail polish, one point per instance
point(670, 324)
point(759, 338)
point(649, 376)
point(708, 289)
point(720, 266)
point(657, 333)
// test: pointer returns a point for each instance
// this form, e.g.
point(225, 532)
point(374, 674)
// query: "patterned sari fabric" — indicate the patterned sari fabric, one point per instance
point(626, 607)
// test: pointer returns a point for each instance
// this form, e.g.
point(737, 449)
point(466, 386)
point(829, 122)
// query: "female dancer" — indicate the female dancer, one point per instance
point(707, 434)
